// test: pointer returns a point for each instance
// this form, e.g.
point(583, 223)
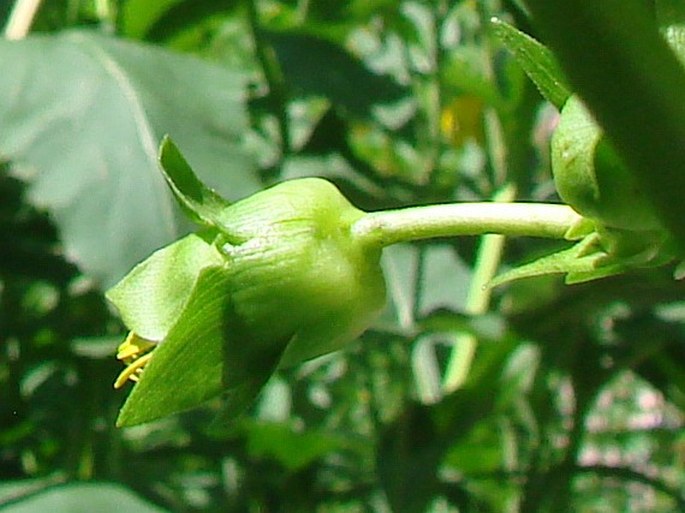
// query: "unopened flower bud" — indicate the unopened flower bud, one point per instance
point(272, 280)
point(590, 176)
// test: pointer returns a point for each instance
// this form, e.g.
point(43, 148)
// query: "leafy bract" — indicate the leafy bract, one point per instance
point(198, 201)
point(536, 60)
point(584, 261)
point(81, 116)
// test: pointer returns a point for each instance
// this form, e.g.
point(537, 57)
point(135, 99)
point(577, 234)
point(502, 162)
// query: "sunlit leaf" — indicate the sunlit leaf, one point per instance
point(81, 115)
point(83, 498)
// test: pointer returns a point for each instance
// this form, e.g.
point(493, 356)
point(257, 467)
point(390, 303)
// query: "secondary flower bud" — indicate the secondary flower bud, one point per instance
point(592, 179)
point(272, 280)
point(590, 176)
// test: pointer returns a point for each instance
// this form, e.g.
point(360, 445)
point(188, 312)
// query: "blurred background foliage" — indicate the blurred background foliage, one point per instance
point(574, 399)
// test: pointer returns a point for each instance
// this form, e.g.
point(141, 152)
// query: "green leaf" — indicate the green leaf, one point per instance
point(14, 490)
point(670, 15)
point(199, 202)
point(81, 116)
point(536, 60)
point(465, 70)
point(422, 279)
point(165, 19)
point(444, 279)
point(138, 16)
point(401, 269)
point(83, 498)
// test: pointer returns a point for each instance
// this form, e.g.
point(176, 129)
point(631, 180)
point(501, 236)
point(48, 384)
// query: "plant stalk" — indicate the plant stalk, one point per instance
point(388, 227)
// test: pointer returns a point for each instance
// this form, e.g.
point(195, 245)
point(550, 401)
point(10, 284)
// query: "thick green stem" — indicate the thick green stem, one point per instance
point(450, 220)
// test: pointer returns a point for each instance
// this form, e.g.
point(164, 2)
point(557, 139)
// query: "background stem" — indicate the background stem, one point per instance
point(477, 301)
point(274, 81)
point(20, 18)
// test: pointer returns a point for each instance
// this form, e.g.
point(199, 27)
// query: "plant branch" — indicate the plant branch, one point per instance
point(20, 18)
point(273, 76)
point(456, 219)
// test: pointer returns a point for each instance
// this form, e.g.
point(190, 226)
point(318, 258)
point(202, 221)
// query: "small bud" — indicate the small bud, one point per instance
point(590, 176)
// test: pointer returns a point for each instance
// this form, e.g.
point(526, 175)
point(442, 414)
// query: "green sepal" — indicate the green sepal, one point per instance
point(580, 229)
point(186, 369)
point(199, 202)
point(536, 60)
point(208, 351)
point(601, 253)
point(152, 296)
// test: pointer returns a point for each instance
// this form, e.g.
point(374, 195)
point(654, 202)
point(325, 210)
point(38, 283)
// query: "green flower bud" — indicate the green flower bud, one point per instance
point(590, 176)
point(295, 265)
point(271, 281)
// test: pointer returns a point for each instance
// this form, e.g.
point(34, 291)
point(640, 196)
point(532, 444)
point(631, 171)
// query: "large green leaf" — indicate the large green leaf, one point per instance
point(83, 498)
point(81, 115)
point(17, 489)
